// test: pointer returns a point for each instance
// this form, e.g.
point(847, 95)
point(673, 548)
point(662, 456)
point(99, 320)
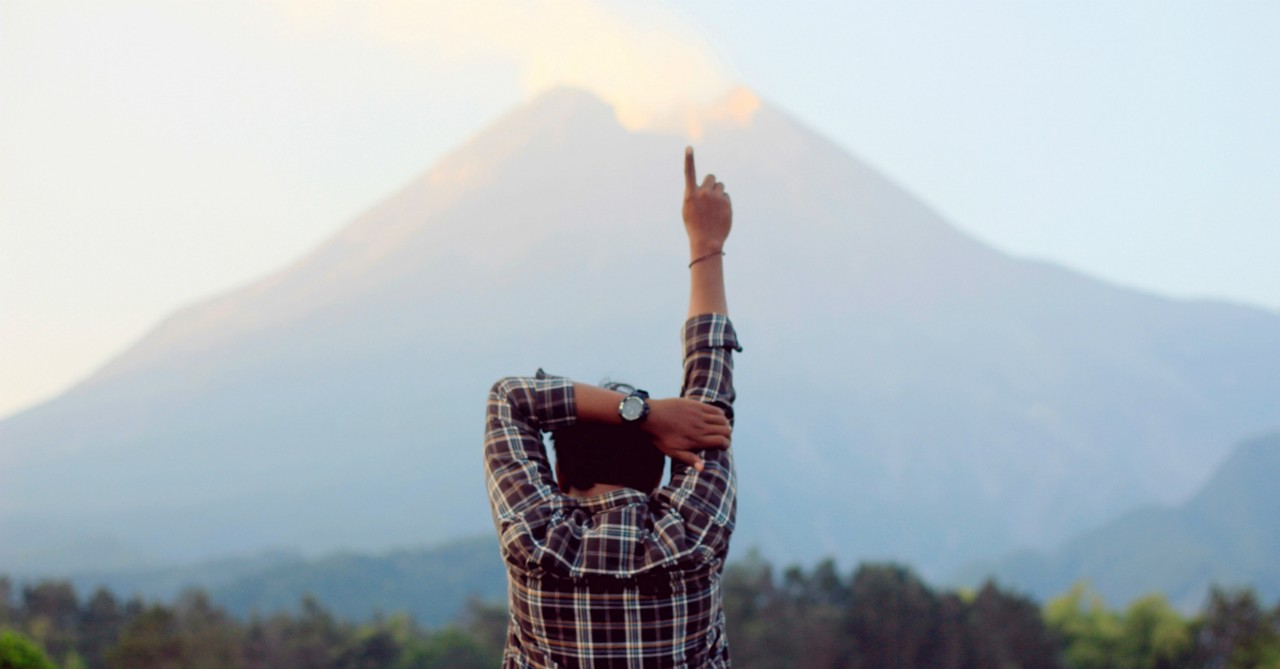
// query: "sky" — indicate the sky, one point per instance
point(153, 154)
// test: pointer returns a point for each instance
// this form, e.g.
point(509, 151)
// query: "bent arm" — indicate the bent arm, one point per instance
point(538, 526)
point(518, 473)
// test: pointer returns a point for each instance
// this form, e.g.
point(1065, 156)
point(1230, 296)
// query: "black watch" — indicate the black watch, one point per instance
point(634, 408)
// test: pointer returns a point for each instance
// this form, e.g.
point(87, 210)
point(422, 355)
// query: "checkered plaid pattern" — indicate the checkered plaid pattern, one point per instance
point(622, 579)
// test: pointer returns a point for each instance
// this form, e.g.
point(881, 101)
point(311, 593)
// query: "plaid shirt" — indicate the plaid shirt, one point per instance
point(622, 579)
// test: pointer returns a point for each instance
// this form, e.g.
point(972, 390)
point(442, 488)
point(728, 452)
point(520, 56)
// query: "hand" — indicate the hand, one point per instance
point(708, 214)
point(680, 426)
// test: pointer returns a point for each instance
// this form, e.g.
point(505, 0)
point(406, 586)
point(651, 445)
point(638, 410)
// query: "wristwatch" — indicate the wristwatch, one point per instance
point(634, 408)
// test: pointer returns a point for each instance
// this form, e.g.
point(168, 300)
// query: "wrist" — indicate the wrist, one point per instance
point(656, 410)
point(697, 249)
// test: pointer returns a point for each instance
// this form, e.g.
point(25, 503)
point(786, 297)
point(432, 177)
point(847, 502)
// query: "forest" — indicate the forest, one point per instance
point(878, 616)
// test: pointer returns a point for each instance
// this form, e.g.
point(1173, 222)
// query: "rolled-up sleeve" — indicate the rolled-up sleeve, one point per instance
point(706, 501)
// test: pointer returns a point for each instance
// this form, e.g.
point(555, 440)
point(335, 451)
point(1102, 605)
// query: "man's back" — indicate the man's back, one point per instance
point(624, 579)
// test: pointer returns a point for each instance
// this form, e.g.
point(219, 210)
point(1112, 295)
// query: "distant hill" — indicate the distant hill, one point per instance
point(165, 582)
point(906, 392)
point(431, 585)
point(1226, 534)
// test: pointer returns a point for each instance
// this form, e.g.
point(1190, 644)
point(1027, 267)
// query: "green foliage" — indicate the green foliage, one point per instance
point(19, 652)
point(74, 661)
point(883, 616)
point(1153, 635)
point(102, 622)
point(151, 641)
point(1233, 632)
point(7, 614)
point(1090, 632)
point(1236, 633)
point(880, 616)
point(52, 609)
point(1149, 635)
point(449, 649)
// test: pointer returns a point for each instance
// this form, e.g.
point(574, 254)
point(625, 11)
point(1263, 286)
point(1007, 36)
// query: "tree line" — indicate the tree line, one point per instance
point(883, 616)
point(879, 616)
point(105, 632)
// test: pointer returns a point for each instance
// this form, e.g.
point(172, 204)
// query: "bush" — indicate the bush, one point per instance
point(19, 652)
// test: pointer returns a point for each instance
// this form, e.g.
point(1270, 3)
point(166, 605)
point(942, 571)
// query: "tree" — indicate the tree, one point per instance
point(1090, 632)
point(151, 641)
point(210, 638)
point(893, 619)
point(315, 637)
point(19, 652)
point(377, 650)
point(808, 616)
point(52, 615)
point(101, 623)
point(748, 591)
point(1236, 633)
point(1153, 636)
point(1008, 631)
point(8, 615)
point(448, 649)
point(487, 624)
point(957, 640)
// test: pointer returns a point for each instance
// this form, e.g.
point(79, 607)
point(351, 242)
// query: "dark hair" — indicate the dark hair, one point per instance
point(591, 453)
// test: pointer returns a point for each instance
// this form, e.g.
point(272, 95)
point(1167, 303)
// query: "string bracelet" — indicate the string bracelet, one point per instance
point(701, 258)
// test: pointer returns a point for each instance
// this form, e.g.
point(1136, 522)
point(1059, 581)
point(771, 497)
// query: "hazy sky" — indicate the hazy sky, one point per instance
point(156, 153)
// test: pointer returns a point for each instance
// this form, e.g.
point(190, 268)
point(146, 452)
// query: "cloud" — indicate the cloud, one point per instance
point(640, 57)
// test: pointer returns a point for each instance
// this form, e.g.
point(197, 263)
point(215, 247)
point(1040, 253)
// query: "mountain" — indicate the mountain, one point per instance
point(1226, 534)
point(906, 392)
point(167, 582)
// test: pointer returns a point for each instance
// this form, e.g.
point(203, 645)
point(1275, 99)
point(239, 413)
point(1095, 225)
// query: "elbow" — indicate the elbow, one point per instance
point(503, 387)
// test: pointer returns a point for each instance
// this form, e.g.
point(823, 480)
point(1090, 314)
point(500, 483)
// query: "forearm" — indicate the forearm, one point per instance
point(706, 286)
point(597, 405)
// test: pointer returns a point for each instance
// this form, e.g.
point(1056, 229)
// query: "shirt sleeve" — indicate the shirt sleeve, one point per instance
point(523, 494)
point(706, 501)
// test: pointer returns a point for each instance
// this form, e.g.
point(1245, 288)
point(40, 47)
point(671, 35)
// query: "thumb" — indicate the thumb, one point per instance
point(689, 459)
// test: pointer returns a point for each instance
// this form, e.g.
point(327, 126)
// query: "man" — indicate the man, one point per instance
point(600, 573)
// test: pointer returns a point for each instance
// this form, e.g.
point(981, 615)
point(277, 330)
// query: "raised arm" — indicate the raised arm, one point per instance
point(709, 337)
point(706, 497)
point(694, 515)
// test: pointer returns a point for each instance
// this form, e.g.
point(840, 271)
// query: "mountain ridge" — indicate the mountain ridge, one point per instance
point(1225, 534)
point(985, 387)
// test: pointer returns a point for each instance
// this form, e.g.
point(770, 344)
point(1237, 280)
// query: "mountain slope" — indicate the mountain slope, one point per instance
point(431, 585)
point(1226, 534)
point(905, 391)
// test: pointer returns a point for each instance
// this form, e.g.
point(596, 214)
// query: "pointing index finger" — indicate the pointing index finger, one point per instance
point(690, 175)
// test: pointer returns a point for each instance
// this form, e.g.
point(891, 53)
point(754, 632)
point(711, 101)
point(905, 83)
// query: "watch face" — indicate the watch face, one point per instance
point(631, 408)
